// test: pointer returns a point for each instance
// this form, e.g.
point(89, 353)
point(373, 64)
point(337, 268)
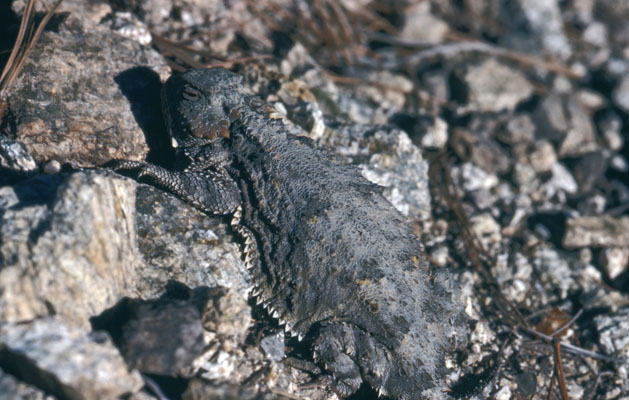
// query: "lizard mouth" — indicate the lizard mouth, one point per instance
point(219, 129)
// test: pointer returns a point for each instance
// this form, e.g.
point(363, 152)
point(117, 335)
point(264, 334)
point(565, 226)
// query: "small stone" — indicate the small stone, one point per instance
point(525, 177)
point(600, 231)
point(614, 261)
point(581, 137)
point(494, 87)
point(613, 331)
point(596, 34)
point(273, 346)
point(589, 170)
point(226, 313)
point(52, 167)
point(551, 118)
point(422, 26)
point(475, 178)
point(610, 125)
point(620, 94)
point(562, 179)
point(436, 135)
point(519, 129)
point(543, 18)
point(440, 256)
point(543, 158)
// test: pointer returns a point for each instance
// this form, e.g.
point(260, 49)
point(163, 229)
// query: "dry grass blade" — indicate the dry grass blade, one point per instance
point(24, 44)
point(561, 380)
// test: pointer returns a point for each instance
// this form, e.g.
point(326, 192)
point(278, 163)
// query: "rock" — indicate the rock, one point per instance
point(551, 118)
point(519, 129)
point(600, 231)
point(15, 161)
point(544, 21)
point(273, 346)
point(596, 34)
point(202, 390)
point(179, 243)
point(610, 125)
point(475, 178)
point(581, 137)
point(479, 148)
point(67, 245)
point(589, 169)
point(162, 337)
point(226, 313)
point(422, 26)
point(302, 107)
point(613, 331)
point(494, 87)
point(65, 361)
point(12, 389)
point(74, 108)
point(614, 261)
point(621, 93)
point(543, 157)
point(436, 136)
point(561, 179)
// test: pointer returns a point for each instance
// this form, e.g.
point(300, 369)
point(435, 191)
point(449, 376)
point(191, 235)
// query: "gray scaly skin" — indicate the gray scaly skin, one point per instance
point(330, 256)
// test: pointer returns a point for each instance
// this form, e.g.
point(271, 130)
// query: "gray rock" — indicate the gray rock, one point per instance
point(600, 231)
point(73, 107)
point(581, 137)
point(621, 93)
point(476, 145)
point(551, 118)
point(162, 337)
point(15, 157)
point(226, 313)
point(65, 361)
point(15, 162)
point(12, 389)
point(67, 246)
point(202, 390)
point(273, 346)
point(178, 242)
point(613, 330)
point(589, 170)
point(519, 129)
point(543, 18)
point(493, 87)
point(614, 261)
point(543, 157)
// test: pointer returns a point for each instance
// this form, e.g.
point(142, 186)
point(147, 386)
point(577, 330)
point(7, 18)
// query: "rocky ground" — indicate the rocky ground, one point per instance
point(498, 128)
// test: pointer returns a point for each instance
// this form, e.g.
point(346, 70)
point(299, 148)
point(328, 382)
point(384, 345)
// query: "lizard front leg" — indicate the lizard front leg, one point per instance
point(210, 191)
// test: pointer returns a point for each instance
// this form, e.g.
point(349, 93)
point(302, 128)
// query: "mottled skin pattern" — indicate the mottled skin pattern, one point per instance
point(331, 258)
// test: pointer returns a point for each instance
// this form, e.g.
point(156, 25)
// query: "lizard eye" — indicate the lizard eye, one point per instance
point(191, 94)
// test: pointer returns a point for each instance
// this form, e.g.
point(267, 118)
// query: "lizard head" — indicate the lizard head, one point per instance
point(196, 105)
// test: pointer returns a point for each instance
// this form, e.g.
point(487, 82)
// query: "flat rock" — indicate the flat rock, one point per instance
point(599, 231)
point(71, 106)
point(65, 361)
point(493, 87)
